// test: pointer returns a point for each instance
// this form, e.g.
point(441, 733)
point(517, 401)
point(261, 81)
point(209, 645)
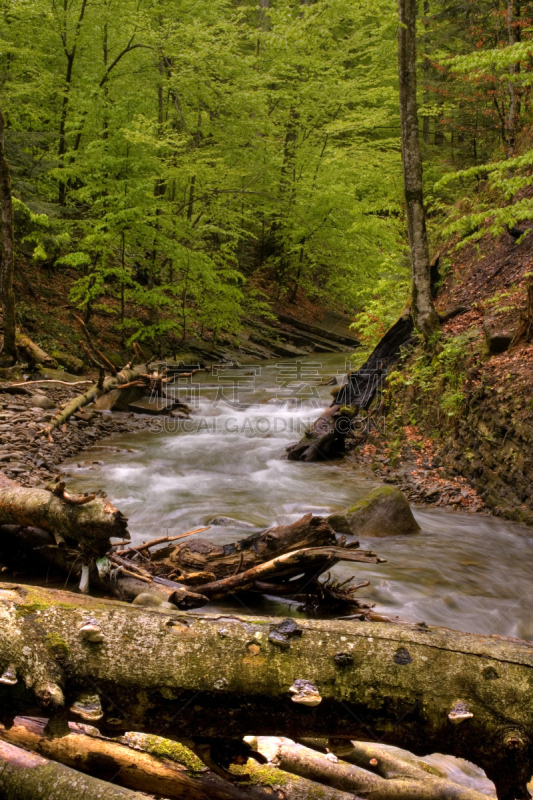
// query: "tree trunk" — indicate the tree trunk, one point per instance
point(226, 560)
point(424, 314)
point(26, 776)
point(152, 764)
point(32, 351)
point(389, 778)
point(312, 561)
point(326, 439)
point(91, 524)
point(513, 30)
point(29, 549)
point(7, 257)
point(193, 675)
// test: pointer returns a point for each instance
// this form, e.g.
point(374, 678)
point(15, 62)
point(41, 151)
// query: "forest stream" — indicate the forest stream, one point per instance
point(465, 571)
point(468, 572)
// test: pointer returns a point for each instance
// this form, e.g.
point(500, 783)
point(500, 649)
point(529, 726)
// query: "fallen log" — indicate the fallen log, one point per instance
point(326, 438)
point(188, 675)
point(225, 560)
point(32, 351)
point(312, 561)
point(154, 765)
point(91, 523)
point(126, 375)
point(27, 776)
point(371, 771)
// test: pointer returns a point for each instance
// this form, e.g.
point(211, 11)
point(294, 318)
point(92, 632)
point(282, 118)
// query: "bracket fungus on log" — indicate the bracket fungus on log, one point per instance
point(164, 676)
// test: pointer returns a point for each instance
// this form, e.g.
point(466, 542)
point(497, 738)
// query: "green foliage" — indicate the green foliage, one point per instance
point(182, 157)
point(435, 382)
point(382, 302)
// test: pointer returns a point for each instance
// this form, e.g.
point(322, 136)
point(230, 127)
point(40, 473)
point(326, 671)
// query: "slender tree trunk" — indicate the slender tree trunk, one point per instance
point(7, 263)
point(514, 36)
point(424, 314)
point(426, 67)
point(70, 55)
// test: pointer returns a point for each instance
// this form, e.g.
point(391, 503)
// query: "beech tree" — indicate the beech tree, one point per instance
point(424, 315)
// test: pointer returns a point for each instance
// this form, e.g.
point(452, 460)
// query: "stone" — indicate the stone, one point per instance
point(119, 399)
point(384, 511)
point(42, 401)
point(229, 522)
point(497, 336)
point(152, 405)
point(68, 361)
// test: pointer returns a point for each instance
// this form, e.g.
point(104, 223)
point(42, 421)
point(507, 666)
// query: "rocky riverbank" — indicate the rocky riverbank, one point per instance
point(29, 457)
point(454, 426)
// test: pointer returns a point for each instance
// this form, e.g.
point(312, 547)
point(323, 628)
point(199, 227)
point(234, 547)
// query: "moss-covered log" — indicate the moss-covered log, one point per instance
point(27, 776)
point(155, 765)
point(193, 674)
point(32, 351)
point(91, 524)
point(126, 375)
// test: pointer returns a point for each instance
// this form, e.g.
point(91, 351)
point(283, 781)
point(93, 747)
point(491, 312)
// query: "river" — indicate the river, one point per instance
point(469, 572)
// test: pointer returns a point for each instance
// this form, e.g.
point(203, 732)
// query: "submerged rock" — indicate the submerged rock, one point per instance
point(229, 522)
point(382, 512)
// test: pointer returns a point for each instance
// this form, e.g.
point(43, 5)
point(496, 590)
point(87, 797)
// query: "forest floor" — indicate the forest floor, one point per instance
point(458, 428)
point(44, 311)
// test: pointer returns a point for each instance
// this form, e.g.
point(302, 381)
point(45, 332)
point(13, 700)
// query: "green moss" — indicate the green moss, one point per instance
point(430, 770)
point(260, 774)
point(57, 645)
point(371, 497)
point(31, 608)
point(175, 751)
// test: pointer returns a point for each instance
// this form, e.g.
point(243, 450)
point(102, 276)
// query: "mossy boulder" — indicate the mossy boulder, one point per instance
point(382, 512)
point(115, 358)
point(71, 363)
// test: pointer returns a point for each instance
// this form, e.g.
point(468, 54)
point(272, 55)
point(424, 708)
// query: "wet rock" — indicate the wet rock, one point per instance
point(385, 511)
point(42, 401)
point(152, 405)
point(119, 399)
point(56, 375)
point(229, 522)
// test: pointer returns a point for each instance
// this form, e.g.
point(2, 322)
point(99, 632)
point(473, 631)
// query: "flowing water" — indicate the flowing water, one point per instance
point(464, 571)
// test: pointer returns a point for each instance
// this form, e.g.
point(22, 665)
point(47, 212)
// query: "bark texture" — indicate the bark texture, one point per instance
point(91, 524)
point(225, 560)
point(191, 674)
point(27, 776)
point(425, 317)
point(7, 251)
